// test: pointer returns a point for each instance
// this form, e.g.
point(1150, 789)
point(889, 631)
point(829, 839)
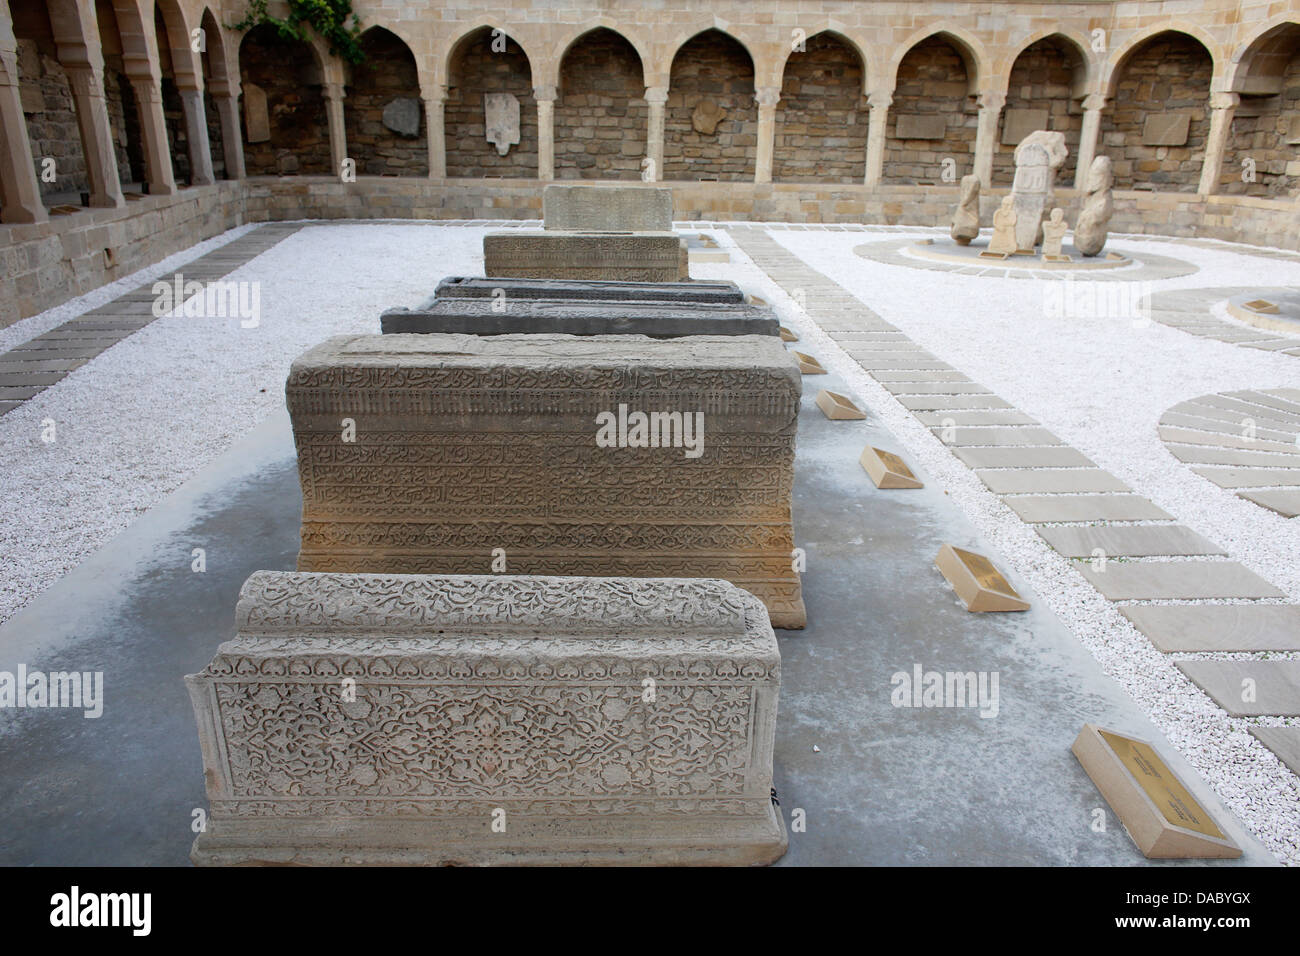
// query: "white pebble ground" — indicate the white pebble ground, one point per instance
point(149, 413)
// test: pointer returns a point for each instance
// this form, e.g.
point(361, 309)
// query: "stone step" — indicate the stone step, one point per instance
point(1177, 580)
point(1196, 628)
point(1276, 689)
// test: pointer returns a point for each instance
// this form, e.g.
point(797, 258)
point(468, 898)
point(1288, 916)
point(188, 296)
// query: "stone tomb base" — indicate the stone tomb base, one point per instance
point(947, 251)
point(494, 719)
point(679, 293)
point(629, 257)
point(531, 454)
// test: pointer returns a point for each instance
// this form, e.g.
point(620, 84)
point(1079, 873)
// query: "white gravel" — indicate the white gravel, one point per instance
point(1101, 385)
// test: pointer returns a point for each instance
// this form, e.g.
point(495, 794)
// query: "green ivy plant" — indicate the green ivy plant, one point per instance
point(330, 18)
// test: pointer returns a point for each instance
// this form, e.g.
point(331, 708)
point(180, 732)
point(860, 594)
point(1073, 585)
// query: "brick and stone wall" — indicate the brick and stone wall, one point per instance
point(1042, 78)
point(478, 70)
point(822, 117)
point(711, 66)
point(1171, 73)
point(287, 72)
point(1267, 130)
point(601, 113)
point(387, 74)
point(932, 82)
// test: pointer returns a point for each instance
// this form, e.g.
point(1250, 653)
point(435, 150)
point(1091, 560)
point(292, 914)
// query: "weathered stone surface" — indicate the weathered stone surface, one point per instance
point(1018, 481)
point(1283, 741)
point(1019, 123)
point(467, 444)
point(706, 116)
point(1003, 241)
point(607, 208)
point(501, 120)
point(257, 122)
point(1098, 205)
point(402, 116)
point(1052, 456)
point(1054, 233)
point(1178, 580)
point(516, 315)
point(1285, 502)
point(472, 287)
point(1037, 158)
point(371, 719)
point(643, 257)
point(966, 217)
point(1041, 509)
point(921, 126)
point(1127, 541)
point(1196, 628)
point(1166, 129)
point(1276, 690)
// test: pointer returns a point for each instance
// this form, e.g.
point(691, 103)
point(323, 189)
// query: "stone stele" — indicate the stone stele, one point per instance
point(1037, 157)
point(696, 291)
point(626, 257)
point(607, 208)
point(490, 719)
point(501, 120)
point(1098, 204)
point(257, 121)
point(966, 218)
point(467, 445)
point(402, 116)
point(517, 314)
point(1003, 240)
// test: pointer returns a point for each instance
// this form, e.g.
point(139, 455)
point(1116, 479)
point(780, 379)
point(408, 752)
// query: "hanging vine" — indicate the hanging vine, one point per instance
point(332, 19)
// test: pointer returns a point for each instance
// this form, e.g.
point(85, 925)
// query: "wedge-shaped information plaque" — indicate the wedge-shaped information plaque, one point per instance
point(887, 470)
point(977, 581)
point(809, 365)
point(788, 335)
point(837, 407)
point(1152, 802)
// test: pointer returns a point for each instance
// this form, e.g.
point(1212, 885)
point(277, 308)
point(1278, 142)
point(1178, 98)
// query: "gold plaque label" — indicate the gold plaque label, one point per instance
point(984, 572)
point(893, 463)
point(1177, 805)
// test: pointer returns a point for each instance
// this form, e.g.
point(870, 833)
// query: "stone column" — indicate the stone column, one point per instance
point(436, 130)
point(153, 129)
point(545, 96)
point(333, 93)
point(880, 102)
point(20, 191)
point(655, 97)
point(1093, 104)
point(87, 85)
point(986, 135)
point(232, 131)
point(1222, 108)
point(196, 133)
point(767, 97)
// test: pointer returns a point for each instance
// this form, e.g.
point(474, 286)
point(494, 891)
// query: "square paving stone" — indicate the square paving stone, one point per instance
point(1021, 481)
point(1283, 741)
point(1285, 502)
point(1208, 455)
point(1276, 689)
point(1198, 628)
point(1023, 456)
point(1250, 477)
point(1042, 509)
point(1128, 541)
point(937, 388)
point(976, 435)
point(919, 403)
point(1177, 580)
point(1007, 416)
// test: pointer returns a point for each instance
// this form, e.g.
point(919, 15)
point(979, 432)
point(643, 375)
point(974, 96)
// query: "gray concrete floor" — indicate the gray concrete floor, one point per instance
point(890, 786)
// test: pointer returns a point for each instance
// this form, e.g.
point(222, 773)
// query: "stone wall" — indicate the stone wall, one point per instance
point(51, 120)
point(822, 118)
point(1171, 73)
point(287, 72)
point(177, 139)
point(477, 71)
point(601, 113)
point(932, 82)
point(388, 74)
point(215, 142)
point(711, 66)
point(1041, 79)
point(1261, 130)
point(124, 120)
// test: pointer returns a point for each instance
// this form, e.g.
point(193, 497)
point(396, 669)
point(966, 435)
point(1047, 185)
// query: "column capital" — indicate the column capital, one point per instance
point(146, 89)
point(767, 96)
point(545, 94)
point(656, 95)
point(333, 91)
point(992, 100)
point(1224, 101)
point(434, 94)
point(1094, 101)
point(880, 99)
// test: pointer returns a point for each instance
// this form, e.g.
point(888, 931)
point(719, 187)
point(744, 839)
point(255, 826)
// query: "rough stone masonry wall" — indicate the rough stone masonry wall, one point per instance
point(51, 121)
point(1041, 79)
point(177, 138)
point(299, 140)
point(601, 113)
point(1169, 74)
point(388, 73)
point(822, 119)
point(713, 66)
point(124, 120)
point(1260, 130)
point(932, 79)
point(477, 71)
point(216, 144)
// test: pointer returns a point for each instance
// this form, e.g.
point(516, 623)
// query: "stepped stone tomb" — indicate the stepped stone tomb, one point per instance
point(490, 719)
point(613, 455)
point(477, 287)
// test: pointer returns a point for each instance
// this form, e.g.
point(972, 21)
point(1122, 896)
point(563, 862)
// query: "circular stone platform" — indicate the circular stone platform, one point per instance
point(1272, 310)
point(944, 255)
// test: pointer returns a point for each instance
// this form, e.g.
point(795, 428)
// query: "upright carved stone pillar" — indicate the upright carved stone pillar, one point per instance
point(655, 97)
point(1222, 108)
point(333, 93)
point(433, 117)
point(880, 102)
point(232, 135)
point(20, 194)
point(153, 129)
point(87, 85)
point(545, 96)
point(986, 135)
point(767, 97)
point(1093, 104)
point(196, 134)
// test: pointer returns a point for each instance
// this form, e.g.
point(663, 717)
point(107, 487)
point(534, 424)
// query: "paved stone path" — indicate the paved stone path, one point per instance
point(1189, 311)
point(1247, 442)
point(1055, 489)
point(34, 366)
